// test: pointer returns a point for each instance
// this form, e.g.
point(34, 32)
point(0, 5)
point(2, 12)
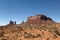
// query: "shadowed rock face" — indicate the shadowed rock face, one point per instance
point(38, 18)
point(12, 23)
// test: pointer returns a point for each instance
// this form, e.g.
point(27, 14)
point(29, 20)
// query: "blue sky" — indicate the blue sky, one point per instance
point(18, 10)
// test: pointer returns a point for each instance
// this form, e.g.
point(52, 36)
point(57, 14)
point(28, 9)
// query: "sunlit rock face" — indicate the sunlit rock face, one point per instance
point(38, 18)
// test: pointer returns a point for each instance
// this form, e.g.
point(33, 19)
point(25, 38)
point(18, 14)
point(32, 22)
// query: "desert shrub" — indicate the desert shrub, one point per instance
point(43, 27)
point(38, 35)
point(19, 28)
point(55, 36)
point(53, 27)
point(33, 36)
point(1, 28)
point(47, 38)
point(3, 38)
point(57, 32)
point(31, 28)
point(25, 33)
point(19, 35)
point(1, 34)
point(28, 35)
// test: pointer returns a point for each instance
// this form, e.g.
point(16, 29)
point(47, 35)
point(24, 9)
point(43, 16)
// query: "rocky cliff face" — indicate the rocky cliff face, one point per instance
point(40, 19)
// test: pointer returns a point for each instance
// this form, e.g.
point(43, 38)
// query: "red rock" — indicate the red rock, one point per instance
point(38, 19)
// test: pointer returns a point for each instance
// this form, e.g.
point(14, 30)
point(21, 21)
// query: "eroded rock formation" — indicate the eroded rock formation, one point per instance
point(39, 19)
